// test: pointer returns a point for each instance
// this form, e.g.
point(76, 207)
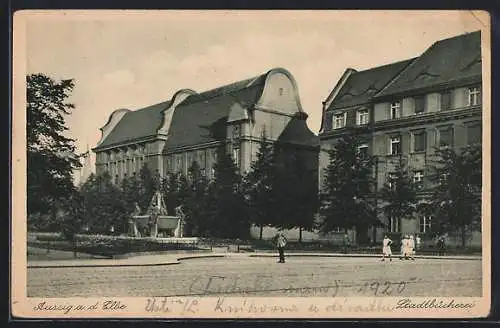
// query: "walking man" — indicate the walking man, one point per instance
point(386, 248)
point(281, 243)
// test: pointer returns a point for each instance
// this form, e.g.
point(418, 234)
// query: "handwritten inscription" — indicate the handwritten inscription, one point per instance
point(234, 285)
point(433, 303)
point(66, 308)
point(224, 306)
point(172, 305)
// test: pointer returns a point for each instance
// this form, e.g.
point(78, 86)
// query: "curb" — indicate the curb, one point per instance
point(178, 260)
point(99, 265)
point(34, 266)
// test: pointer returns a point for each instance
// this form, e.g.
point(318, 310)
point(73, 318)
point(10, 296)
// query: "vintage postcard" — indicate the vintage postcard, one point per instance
point(251, 164)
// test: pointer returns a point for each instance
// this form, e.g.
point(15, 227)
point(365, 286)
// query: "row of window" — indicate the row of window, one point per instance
point(418, 179)
point(444, 138)
point(424, 224)
point(418, 139)
point(130, 164)
point(363, 117)
point(113, 155)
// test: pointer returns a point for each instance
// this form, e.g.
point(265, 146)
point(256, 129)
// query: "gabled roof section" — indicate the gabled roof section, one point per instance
point(135, 125)
point(361, 86)
point(202, 118)
point(446, 61)
point(297, 132)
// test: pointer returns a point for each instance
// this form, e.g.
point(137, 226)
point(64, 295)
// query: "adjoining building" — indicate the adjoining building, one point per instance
point(192, 126)
point(407, 108)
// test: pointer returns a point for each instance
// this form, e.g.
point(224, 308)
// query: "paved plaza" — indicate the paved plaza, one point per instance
point(262, 276)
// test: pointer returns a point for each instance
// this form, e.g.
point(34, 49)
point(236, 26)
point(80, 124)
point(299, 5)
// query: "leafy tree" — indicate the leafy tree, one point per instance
point(50, 154)
point(225, 200)
point(346, 198)
point(180, 190)
point(148, 184)
point(194, 200)
point(130, 195)
point(297, 193)
point(456, 200)
point(74, 218)
point(398, 193)
point(259, 187)
point(103, 204)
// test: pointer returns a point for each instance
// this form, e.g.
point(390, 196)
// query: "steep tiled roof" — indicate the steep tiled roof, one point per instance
point(297, 132)
point(201, 118)
point(361, 86)
point(136, 124)
point(449, 60)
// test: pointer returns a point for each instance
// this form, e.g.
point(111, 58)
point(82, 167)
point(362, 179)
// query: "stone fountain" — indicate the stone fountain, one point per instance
point(156, 220)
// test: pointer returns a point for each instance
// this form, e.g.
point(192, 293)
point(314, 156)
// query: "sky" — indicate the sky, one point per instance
point(135, 59)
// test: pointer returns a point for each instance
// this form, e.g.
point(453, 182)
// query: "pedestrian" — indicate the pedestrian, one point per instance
point(346, 242)
point(441, 245)
point(417, 242)
point(386, 248)
point(281, 243)
point(402, 249)
point(411, 248)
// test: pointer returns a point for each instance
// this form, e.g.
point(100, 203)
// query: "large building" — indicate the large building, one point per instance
point(406, 109)
point(192, 126)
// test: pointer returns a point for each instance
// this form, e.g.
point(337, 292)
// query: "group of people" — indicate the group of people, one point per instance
point(408, 246)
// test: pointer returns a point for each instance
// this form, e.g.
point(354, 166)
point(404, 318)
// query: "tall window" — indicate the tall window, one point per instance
point(419, 104)
point(418, 179)
point(395, 145)
point(473, 133)
point(474, 96)
point(339, 120)
point(236, 156)
point(445, 135)
point(362, 117)
point(391, 181)
point(396, 110)
point(363, 150)
point(443, 178)
point(425, 223)
point(236, 132)
point(446, 100)
point(419, 140)
point(393, 224)
point(178, 162)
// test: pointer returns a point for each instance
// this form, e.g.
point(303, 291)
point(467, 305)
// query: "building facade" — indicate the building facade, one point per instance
point(406, 109)
point(168, 137)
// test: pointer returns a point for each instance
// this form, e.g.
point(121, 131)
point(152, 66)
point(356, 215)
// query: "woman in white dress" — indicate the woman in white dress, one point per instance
point(386, 248)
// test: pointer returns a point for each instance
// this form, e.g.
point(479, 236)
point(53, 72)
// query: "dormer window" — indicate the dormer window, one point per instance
point(339, 120)
point(362, 117)
point(395, 110)
point(474, 96)
point(236, 132)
